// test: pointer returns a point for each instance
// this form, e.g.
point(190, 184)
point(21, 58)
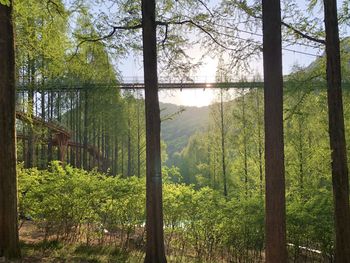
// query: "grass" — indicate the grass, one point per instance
point(54, 251)
point(57, 252)
point(35, 249)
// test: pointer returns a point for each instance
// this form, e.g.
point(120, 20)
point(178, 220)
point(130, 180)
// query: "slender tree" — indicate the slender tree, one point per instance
point(245, 142)
point(154, 211)
point(129, 171)
point(337, 136)
point(259, 139)
point(138, 138)
point(221, 75)
point(275, 225)
point(223, 153)
point(85, 130)
point(9, 243)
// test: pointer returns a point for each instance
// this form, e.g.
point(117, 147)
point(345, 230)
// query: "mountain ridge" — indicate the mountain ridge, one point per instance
point(179, 123)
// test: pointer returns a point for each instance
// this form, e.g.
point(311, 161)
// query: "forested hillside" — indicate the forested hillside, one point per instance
point(177, 131)
point(180, 123)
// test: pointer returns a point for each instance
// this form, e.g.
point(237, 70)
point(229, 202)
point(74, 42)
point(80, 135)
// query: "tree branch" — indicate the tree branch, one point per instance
point(298, 32)
point(191, 22)
point(206, 7)
point(321, 41)
point(165, 35)
point(113, 31)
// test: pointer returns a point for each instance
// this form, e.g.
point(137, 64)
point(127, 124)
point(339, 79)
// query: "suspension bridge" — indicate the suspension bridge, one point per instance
point(170, 85)
point(58, 105)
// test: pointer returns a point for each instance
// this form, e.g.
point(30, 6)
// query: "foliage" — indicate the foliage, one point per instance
point(184, 123)
point(5, 2)
point(73, 205)
point(105, 204)
point(307, 159)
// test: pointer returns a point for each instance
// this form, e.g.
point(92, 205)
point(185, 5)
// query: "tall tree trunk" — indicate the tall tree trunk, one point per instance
point(42, 152)
point(58, 106)
point(215, 156)
point(50, 113)
point(49, 148)
point(260, 149)
point(103, 148)
point(108, 153)
point(58, 111)
point(301, 153)
point(129, 146)
point(71, 127)
point(122, 159)
point(94, 134)
point(30, 112)
point(85, 131)
point(79, 150)
point(154, 208)
point(24, 149)
point(209, 156)
point(116, 156)
point(223, 142)
point(138, 140)
point(245, 145)
point(337, 137)
point(9, 243)
point(275, 224)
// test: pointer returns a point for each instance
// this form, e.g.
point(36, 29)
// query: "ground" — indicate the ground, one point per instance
point(35, 249)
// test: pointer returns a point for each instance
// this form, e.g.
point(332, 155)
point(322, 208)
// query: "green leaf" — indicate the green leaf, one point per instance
point(5, 2)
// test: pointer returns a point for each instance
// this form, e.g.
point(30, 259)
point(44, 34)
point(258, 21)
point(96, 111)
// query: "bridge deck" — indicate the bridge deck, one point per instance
point(55, 127)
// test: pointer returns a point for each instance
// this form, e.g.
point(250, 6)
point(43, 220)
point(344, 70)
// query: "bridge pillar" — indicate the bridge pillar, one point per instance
point(62, 144)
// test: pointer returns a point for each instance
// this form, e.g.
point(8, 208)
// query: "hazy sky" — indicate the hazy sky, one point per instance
point(131, 70)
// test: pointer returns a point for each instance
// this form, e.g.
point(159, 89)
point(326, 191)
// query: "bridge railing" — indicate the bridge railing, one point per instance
point(64, 87)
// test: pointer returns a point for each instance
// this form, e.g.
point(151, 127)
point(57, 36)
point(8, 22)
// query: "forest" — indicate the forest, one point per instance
point(95, 168)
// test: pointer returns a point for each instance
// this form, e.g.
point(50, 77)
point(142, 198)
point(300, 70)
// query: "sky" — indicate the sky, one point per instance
point(131, 71)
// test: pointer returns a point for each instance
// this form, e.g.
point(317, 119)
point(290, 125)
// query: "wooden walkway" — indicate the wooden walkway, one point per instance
point(61, 137)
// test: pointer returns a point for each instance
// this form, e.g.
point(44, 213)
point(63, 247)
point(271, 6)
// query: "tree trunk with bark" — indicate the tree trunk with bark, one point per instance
point(275, 221)
point(138, 140)
point(43, 116)
point(9, 243)
point(30, 111)
point(116, 156)
point(223, 152)
point(260, 149)
point(337, 135)
point(129, 172)
point(154, 208)
point(245, 145)
point(85, 131)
